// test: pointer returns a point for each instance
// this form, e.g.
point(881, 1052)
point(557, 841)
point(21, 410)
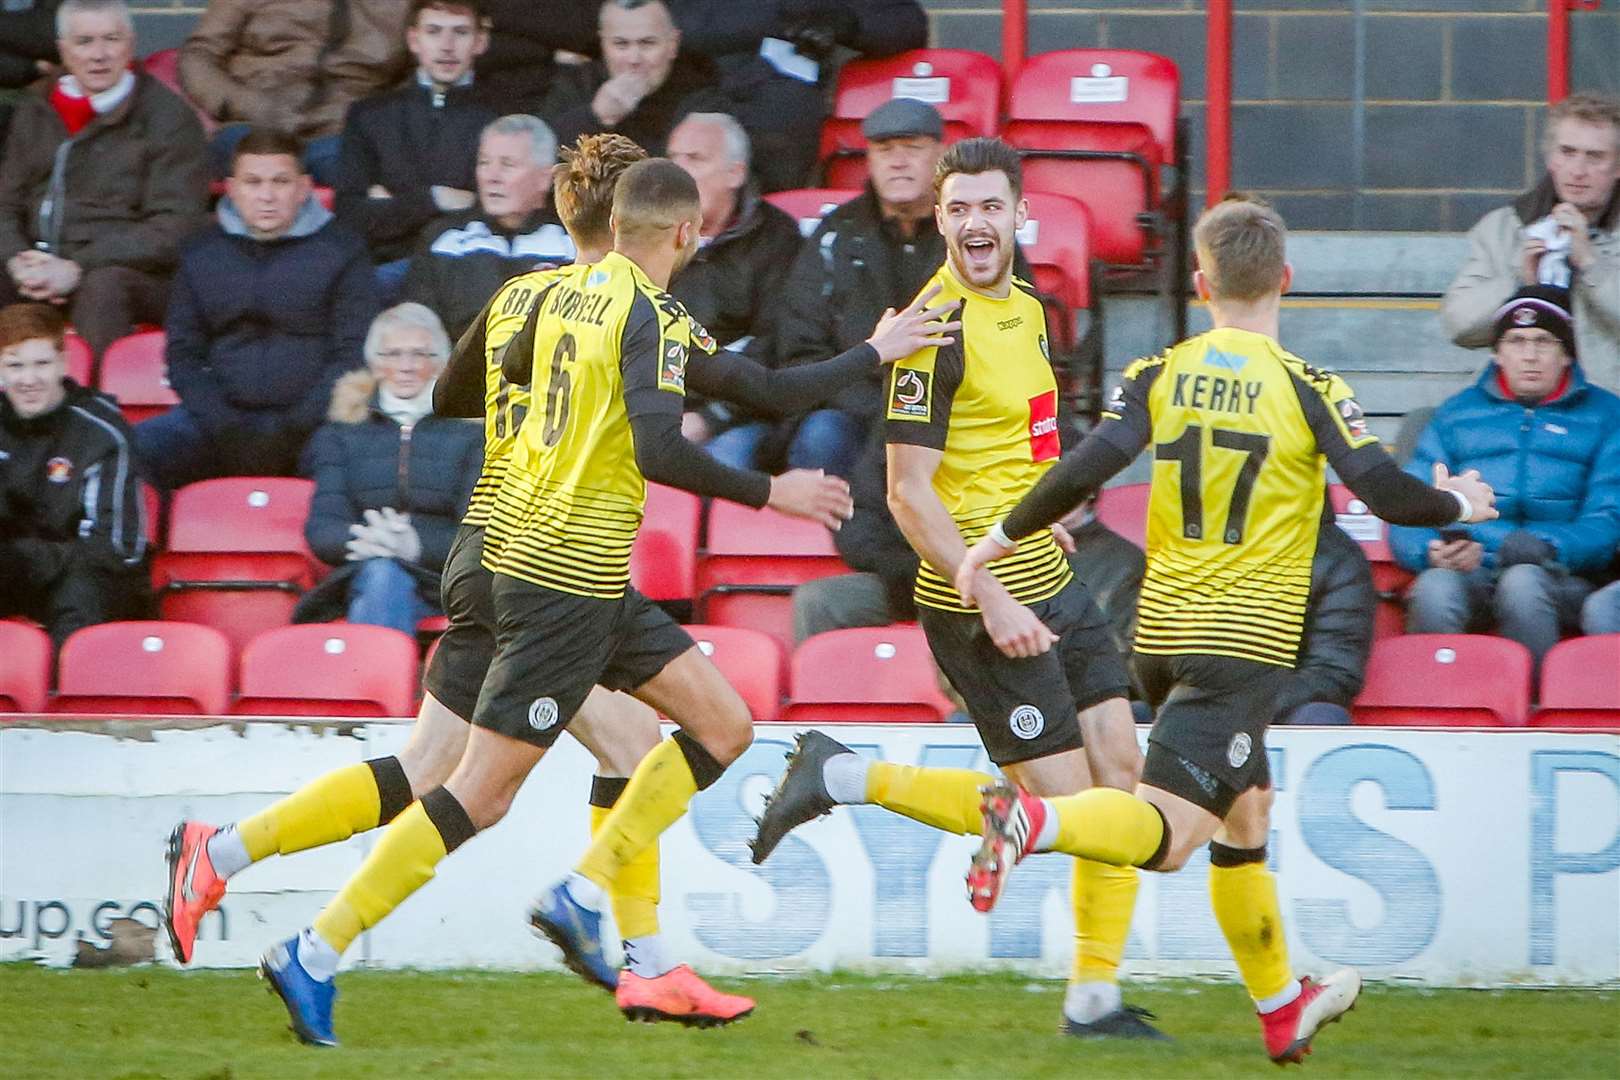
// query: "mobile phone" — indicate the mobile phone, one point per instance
point(1452, 533)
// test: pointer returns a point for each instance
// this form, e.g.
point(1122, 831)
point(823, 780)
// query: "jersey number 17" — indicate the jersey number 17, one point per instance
point(1188, 449)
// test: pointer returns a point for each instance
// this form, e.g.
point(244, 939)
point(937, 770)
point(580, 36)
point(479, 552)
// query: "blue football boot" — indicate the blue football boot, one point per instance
point(308, 1000)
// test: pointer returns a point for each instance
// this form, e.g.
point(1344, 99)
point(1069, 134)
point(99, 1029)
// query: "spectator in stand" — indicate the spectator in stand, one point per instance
point(733, 284)
point(642, 87)
point(1564, 232)
point(293, 66)
point(408, 154)
point(101, 176)
point(1338, 630)
point(270, 307)
point(27, 49)
point(773, 56)
point(391, 480)
point(72, 539)
point(513, 230)
point(525, 43)
point(874, 252)
point(1548, 443)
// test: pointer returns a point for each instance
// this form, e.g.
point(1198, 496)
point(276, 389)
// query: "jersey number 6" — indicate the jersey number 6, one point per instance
point(559, 390)
point(1188, 449)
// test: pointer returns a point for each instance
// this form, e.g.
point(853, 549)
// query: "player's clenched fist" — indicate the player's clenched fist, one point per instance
point(811, 493)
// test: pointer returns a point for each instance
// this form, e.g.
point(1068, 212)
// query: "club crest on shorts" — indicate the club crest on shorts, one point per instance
point(1238, 750)
point(1027, 722)
point(543, 713)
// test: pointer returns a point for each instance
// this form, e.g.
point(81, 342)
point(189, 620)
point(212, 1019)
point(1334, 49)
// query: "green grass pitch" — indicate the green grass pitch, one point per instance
point(150, 1023)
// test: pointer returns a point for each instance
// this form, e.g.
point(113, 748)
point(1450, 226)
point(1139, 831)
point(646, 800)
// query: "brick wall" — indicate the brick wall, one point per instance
point(1434, 126)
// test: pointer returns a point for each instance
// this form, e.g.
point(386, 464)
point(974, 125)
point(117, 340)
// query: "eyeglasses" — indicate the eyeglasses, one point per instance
point(1544, 344)
point(395, 356)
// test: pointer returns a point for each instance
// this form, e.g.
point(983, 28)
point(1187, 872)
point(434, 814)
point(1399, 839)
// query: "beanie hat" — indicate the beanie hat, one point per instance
point(1545, 307)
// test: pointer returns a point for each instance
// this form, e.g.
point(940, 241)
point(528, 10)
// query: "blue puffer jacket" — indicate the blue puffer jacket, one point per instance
point(1555, 468)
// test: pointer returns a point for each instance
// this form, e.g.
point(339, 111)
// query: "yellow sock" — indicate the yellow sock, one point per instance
point(1109, 826)
point(658, 795)
point(944, 798)
point(331, 808)
point(1245, 901)
point(635, 891)
point(1104, 898)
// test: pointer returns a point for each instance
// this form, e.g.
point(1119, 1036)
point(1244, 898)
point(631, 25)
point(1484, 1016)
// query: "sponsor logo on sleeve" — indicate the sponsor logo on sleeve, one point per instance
point(1355, 420)
point(672, 367)
point(1044, 444)
point(909, 397)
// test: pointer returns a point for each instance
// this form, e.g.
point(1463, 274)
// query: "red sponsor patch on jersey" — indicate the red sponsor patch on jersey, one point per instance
point(1044, 444)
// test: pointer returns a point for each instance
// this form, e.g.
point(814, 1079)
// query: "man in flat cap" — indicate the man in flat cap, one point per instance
point(1548, 442)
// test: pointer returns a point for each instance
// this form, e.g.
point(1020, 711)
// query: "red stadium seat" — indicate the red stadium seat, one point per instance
point(326, 196)
point(1446, 680)
point(1056, 239)
point(752, 662)
point(964, 86)
point(152, 514)
point(236, 558)
point(1372, 533)
point(1124, 509)
point(882, 674)
point(1099, 124)
point(663, 562)
point(145, 668)
point(329, 669)
point(81, 362)
point(810, 205)
point(1580, 684)
point(164, 66)
point(753, 561)
point(25, 673)
point(134, 372)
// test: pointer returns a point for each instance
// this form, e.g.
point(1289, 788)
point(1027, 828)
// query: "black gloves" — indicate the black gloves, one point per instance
point(1522, 547)
point(816, 26)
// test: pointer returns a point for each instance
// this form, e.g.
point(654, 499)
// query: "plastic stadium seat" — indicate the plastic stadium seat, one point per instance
point(164, 66)
point(1098, 124)
point(81, 362)
point(1056, 239)
point(869, 675)
point(145, 668)
point(329, 669)
point(1123, 509)
point(152, 514)
point(25, 674)
point(964, 86)
point(1580, 684)
point(1372, 533)
point(134, 372)
point(1446, 680)
point(753, 561)
point(810, 205)
point(663, 562)
point(236, 558)
point(752, 662)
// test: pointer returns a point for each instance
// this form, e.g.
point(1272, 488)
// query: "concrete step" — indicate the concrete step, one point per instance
point(1373, 263)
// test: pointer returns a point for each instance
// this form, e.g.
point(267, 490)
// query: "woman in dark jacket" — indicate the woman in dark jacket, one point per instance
point(391, 479)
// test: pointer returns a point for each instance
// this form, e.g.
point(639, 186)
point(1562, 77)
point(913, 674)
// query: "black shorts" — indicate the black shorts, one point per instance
point(462, 656)
point(552, 647)
point(1028, 708)
point(1208, 743)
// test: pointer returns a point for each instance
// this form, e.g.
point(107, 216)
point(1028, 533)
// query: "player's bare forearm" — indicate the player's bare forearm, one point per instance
point(926, 524)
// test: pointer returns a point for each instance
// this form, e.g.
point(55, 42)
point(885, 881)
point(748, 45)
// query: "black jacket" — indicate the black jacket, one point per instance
point(465, 263)
point(731, 32)
point(69, 492)
point(26, 35)
point(362, 460)
point(870, 541)
point(692, 86)
point(258, 331)
point(516, 73)
point(1339, 622)
point(407, 140)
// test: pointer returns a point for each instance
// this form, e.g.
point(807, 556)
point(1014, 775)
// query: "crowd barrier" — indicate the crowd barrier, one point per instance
point(1453, 857)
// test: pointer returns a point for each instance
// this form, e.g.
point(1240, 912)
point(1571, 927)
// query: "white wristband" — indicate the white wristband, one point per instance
point(1466, 507)
point(999, 535)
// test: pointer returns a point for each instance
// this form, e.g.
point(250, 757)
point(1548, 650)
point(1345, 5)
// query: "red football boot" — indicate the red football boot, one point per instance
point(1013, 818)
point(1288, 1031)
point(194, 888)
point(678, 995)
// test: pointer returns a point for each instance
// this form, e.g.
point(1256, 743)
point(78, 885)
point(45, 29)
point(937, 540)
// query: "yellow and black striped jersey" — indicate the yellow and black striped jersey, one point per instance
point(505, 404)
point(1239, 429)
point(609, 345)
point(989, 402)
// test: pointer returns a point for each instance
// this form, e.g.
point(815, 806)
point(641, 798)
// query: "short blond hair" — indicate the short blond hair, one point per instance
point(582, 184)
point(1588, 109)
point(1241, 244)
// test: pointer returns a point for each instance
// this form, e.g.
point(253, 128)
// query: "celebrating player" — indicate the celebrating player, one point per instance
point(559, 532)
point(1239, 429)
point(971, 427)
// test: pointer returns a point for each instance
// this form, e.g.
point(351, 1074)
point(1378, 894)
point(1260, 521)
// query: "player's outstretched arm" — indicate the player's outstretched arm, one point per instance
point(459, 390)
point(790, 391)
point(928, 526)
